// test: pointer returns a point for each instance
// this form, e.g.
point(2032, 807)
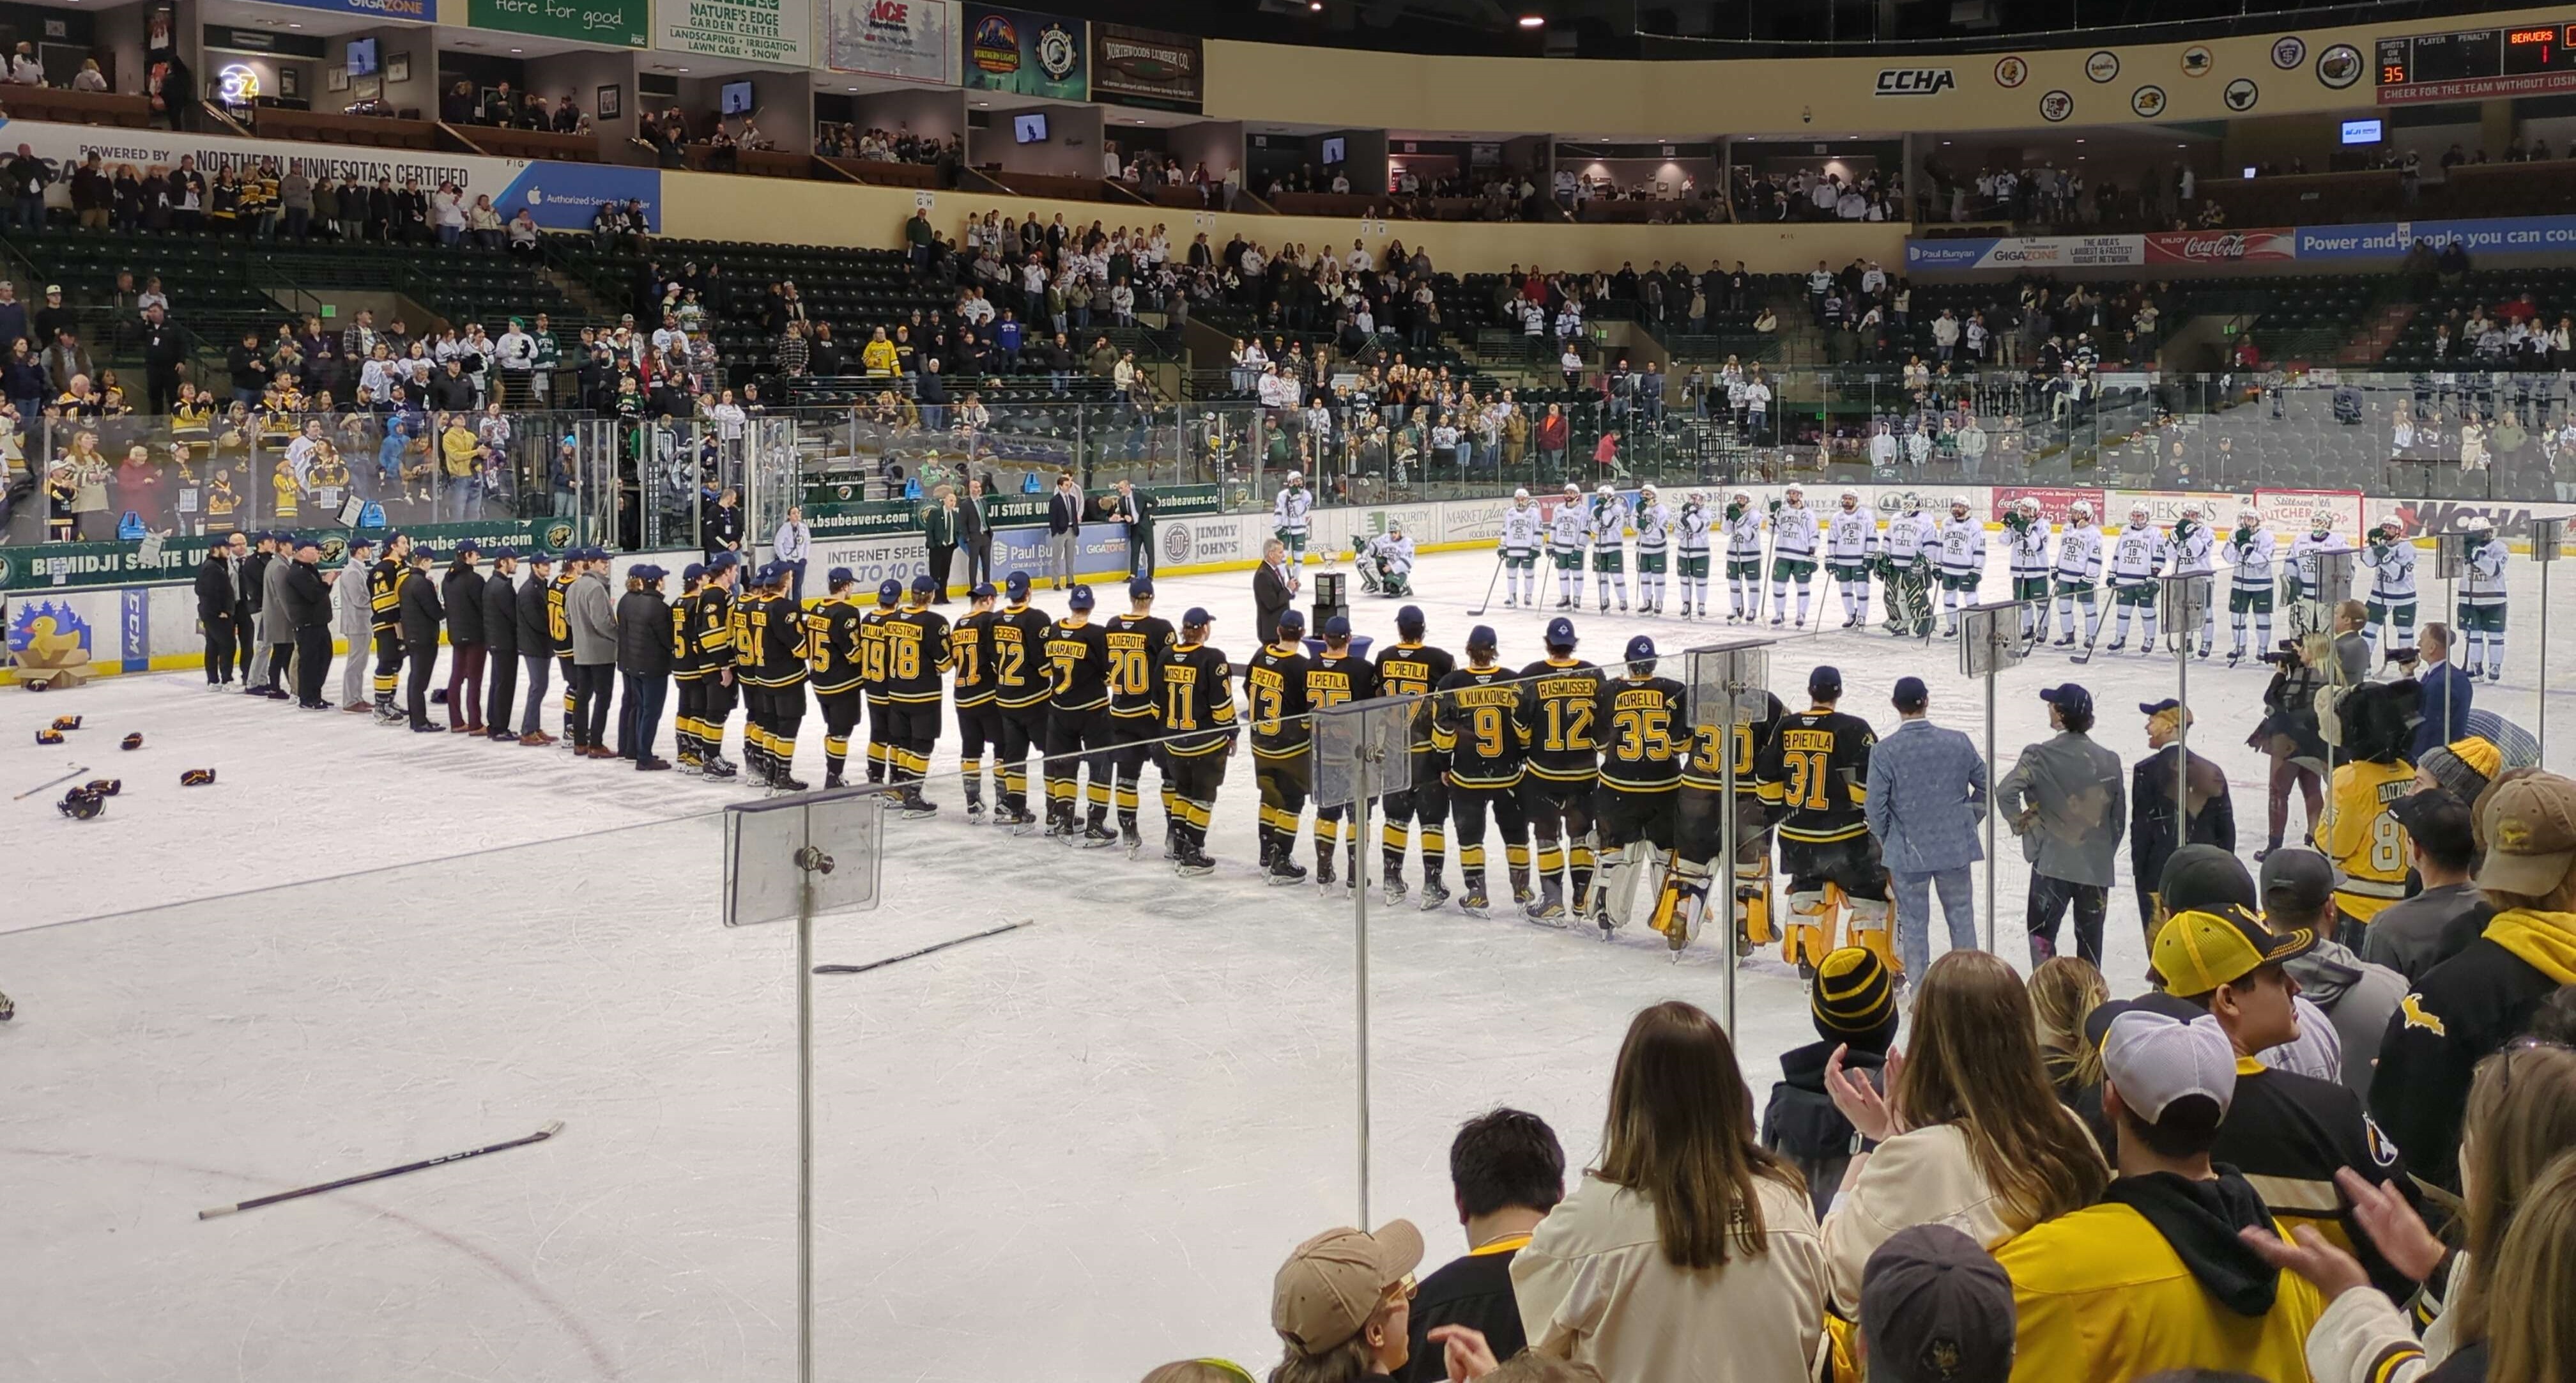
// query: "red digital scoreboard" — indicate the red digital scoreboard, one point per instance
point(2477, 63)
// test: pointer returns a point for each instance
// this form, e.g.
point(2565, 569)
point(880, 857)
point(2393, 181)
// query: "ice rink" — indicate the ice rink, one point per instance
point(1070, 1152)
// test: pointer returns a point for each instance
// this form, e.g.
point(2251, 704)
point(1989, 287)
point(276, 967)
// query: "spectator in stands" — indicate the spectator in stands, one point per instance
point(1507, 1172)
point(1853, 1005)
point(2356, 996)
point(2413, 936)
point(1342, 1303)
point(28, 177)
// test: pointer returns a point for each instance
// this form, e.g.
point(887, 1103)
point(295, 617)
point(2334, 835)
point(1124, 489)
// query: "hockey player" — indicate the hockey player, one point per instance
point(1198, 716)
point(1334, 677)
point(1851, 549)
point(1690, 544)
point(1701, 831)
point(1793, 553)
point(1654, 525)
point(1524, 533)
point(1813, 775)
point(1913, 546)
point(710, 634)
point(2251, 552)
point(559, 626)
point(689, 669)
point(779, 670)
point(918, 653)
point(1274, 695)
point(840, 644)
point(2482, 598)
point(2190, 548)
point(2363, 838)
point(979, 719)
point(1608, 530)
point(1644, 740)
point(1557, 719)
point(1410, 667)
point(1386, 564)
point(2136, 558)
point(2026, 547)
point(2311, 614)
point(2391, 559)
point(1020, 690)
point(1476, 723)
point(1077, 723)
point(872, 679)
point(1566, 530)
point(1963, 562)
point(1139, 642)
point(1288, 516)
point(2078, 572)
point(1743, 558)
point(384, 621)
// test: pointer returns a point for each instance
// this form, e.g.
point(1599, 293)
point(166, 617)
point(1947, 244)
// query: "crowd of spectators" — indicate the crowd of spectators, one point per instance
point(1816, 194)
point(840, 139)
point(501, 107)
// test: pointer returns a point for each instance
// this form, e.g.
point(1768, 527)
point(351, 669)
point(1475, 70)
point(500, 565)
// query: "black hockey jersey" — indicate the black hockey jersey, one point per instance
point(1559, 705)
point(1138, 644)
point(1815, 772)
point(916, 653)
point(1412, 669)
point(1077, 657)
point(970, 651)
point(1198, 701)
point(1332, 679)
point(840, 643)
point(1274, 692)
point(1707, 772)
point(1018, 637)
point(1476, 721)
point(1643, 739)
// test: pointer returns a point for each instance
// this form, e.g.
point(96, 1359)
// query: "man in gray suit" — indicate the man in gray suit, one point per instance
point(1927, 794)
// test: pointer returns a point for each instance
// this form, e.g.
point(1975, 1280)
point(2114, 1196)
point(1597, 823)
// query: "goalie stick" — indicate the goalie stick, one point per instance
point(1487, 603)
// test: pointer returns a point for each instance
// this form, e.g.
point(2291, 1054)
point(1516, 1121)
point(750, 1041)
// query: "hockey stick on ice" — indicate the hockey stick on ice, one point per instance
point(924, 951)
point(40, 787)
point(551, 1128)
point(1487, 603)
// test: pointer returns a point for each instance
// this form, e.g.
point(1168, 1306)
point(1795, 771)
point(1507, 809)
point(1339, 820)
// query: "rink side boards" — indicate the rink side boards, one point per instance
point(152, 626)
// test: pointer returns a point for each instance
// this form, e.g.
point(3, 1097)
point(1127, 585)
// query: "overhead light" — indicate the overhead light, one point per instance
point(1533, 21)
point(2079, 141)
point(518, 50)
point(683, 69)
point(1316, 5)
point(295, 26)
point(853, 88)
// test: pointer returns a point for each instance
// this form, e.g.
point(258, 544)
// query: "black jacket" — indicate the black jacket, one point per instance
point(501, 616)
point(1801, 1123)
point(2463, 1011)
point(970, 519)
point(1270, 598)
point(249, 368)
point(254, 573)
point(163, 350)
point(308, 597)
point(450, 392)
point(721, 530)
point(1064, 513)
point(2153, 813)
point(643, 634)
point(536, 631)
point(420, 611)
point(462, 593)
point(215, 587)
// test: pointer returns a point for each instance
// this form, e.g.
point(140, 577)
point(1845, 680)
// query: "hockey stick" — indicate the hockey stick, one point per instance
point(550, 1129)
point(40, 787)
point(1487, 603)
point(926, 950)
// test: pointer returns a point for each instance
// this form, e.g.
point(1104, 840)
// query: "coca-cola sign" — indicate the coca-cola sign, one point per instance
point(2221, 246)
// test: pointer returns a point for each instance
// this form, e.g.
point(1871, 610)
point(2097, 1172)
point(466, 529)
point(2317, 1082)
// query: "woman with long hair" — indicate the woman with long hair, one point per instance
point(1969, 1134)
point(1688, 1250)
point(2501, 1295)
point(2064, 991)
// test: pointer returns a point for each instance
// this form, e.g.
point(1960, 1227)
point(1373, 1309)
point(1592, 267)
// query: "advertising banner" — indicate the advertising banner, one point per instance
point(2425, 517)
point(417, 11)
point(2053, 500)
point(2294, 511)
point(1147, 67)
point(1021, 53)
point(2222, 246)
point(123, 564)
point(620, 23)
point(780, 31)
point(1209, 541)
point(2028, 252)
point(888, 557)
point(2391, 240)
point(2382, 241)
point(908, 40)
point(565, 196)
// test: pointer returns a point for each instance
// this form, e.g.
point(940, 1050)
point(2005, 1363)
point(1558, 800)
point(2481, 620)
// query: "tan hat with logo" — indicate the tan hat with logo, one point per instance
point(2528, 826)
point(1333, 1283)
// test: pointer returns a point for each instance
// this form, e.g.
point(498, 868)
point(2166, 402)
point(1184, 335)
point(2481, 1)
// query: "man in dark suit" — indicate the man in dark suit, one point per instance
point(2162, 820)
point(1133, 510)
point(939, 533)
point(975, 535)
point(1064, 529)
point(1274, 589)
point(2447, 690)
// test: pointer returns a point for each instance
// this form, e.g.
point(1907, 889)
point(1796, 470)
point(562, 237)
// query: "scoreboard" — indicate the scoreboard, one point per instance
point(2475, 63)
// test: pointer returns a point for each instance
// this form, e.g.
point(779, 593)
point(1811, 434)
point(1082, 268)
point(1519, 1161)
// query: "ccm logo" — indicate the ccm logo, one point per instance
point(1915, 81)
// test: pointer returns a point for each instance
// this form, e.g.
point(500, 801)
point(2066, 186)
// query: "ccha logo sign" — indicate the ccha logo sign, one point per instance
point(1915, 81)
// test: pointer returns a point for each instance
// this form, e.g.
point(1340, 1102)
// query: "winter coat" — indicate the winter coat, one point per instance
point(501, 616)
point(593, 622)
point(644, 634)
point(462, 593)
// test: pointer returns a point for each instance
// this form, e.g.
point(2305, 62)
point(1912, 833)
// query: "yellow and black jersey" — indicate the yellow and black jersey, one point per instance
point(869, 641)
point(705, 625)
point(1411, 669)
point(1644, 739)
point(1333, 679)
point(970, 652)
point(1560, 706)
point(1476, 721)
point(384, 600)
point(782, 643)
point(1815, 771)
point(836, 648)
point(1704, 771)
point(1198, 701)
point(1077, 666)
point(1274, 693)
point(1138, 644)
point(916, 648)
point(1018, 638)
point(686, 663)
point(558, 623)
point(2363, 838)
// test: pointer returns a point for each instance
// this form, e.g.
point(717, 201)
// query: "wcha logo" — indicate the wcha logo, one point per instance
point(1915, 81)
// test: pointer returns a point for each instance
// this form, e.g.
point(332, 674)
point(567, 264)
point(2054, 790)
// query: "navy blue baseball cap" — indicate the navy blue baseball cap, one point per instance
point(1017, 583)
point(725, 561)
point(1338, 627)
point(305, 540)
point(1408, 621)
point(358, 541)
point(469, 548)
point(694, 571)
point(1079, 598)
point(1141, 588)
point(1560, 632)
point(1290, 619)
point(1482, 636)
point(983, 591)
point(2156, 708)
point(1911, 694)
point(501, 553)
point(837, 576)
point(1640, 648)
point(925, 584)
point(889, 591)
point(2068, 697)
point(647, 573)
point(1826, 680)
point(1197, 617)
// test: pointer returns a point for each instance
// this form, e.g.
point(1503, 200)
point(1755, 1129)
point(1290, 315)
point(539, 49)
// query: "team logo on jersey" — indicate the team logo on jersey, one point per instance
point(2412, 1010)
point(2382, 1151)
point(2103, 66)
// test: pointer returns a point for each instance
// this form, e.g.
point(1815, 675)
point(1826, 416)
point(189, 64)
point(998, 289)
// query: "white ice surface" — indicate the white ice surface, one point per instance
point(1073, 1151)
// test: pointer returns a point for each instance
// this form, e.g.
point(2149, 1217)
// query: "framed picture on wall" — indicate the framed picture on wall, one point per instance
point(398, 67)
point(290, 83)
point(366, 88)
point(612, 103)
point(335, 78)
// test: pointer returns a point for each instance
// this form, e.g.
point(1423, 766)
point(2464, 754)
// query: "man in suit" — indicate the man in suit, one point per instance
point(1134, 512)
point(1274, 589)
point(2162, 819)
point(2447, 691)
point(1064, 529)
point(939, 534)
point(975, 535)
point(1927, 794)
point(218, 593)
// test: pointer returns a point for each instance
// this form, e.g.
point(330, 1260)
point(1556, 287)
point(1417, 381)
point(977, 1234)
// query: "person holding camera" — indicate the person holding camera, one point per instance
point(2288, 734)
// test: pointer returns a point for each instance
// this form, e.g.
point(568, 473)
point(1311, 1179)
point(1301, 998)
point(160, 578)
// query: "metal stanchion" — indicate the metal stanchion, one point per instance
point(1354, 744)
point(1728, 692)
point(1987, 646)
point(2548, 539)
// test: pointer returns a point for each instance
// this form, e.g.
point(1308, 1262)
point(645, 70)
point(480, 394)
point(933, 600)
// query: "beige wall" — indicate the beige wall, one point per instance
point(710, 206)
point(1830, 96)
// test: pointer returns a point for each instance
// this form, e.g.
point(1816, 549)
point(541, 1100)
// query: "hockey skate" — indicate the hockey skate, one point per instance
point(1284, 870)
point(2062, 641)
point(917, 807)
point(832, 779)
point(718, 769)
point(1191, 864)
point(1134, 839)
point(1019, 819)
point(1548, 911)
point(1475, 904)
point(1324, 868)
point(974, 811)
point(1433, 895)
point(788, 782)
point(1060, 829)
point(1392, 891)
point(1095, 837)
point(2117, 644)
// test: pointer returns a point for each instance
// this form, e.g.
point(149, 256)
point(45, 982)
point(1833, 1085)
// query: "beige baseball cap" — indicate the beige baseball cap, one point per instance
point(1333, 1283)
point(2528, 826)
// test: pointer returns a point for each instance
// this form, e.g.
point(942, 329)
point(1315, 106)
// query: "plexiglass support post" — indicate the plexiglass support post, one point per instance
point(1990, 640)
point(1729, 687)
point(1359, 746)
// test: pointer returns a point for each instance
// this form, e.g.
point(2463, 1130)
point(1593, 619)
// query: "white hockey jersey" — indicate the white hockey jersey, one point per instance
point(1288, 512)
point(1963, 547)
point(2392, 568)
point(2253, 553)
point(1793, 533)
point(2482, 583)
point(2079, 556)
point(1911, 537)
point(2192, 548)
point(1394, 553)
point(1565, 531)
point(2303, 555)
point(1609, 520)
point(2138, 555)
point(1654, 525)
point(1851, 538)
point(2029, 549)
point(1523, 530)
point(1744, 537)
point(1690, 530)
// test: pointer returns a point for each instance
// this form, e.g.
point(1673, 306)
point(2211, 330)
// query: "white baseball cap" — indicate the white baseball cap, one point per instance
point(2156, 1058)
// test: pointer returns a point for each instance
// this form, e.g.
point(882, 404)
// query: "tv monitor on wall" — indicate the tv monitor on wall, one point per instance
point(736, 98)
point(1335, 151)
point(2362, 131)
point(1029, 129)
point(362, 57)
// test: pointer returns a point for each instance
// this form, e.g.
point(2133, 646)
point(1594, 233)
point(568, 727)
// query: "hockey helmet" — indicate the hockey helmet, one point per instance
point(2476, 523)
point(2393, 526)
point(2321, 523)
point(2191, 509)
point(1850, 497)
point(2139, 513)
point(1605, 491)
point(1695, 498)
point(2080, 509)
point(2247, 518)
point(1795, 489)
point(1958, 501)
point(1520, 494)
point(1740, 497)
point(1645, 492)
point(1573, 489)
point(1296, 477)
